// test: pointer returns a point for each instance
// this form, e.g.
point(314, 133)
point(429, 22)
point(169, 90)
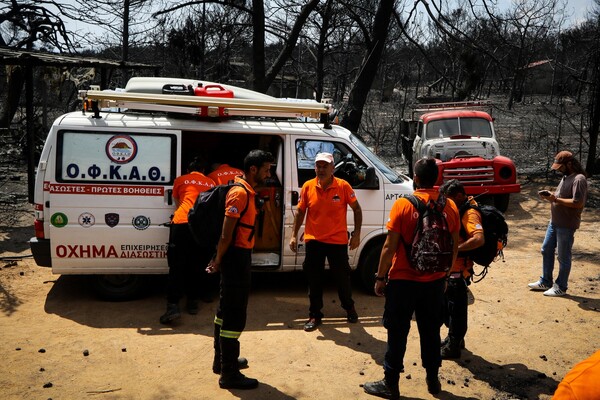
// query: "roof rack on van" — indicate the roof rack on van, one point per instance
point(201, 106)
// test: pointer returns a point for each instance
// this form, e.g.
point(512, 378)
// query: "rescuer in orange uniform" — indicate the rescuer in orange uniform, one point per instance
point(325, 200)
point(223, 173)
point(233, 260)
point(409, 291)
point(185, 257)
point(455, 299)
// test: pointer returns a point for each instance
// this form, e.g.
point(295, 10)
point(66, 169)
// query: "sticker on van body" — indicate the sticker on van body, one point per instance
point(111, 219)
point(86, 219)
point(140, 222)
point(59, 220)
point(121, 149)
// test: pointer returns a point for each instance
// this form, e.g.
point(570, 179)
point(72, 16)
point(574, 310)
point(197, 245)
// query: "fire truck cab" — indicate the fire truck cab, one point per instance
point(464, 142)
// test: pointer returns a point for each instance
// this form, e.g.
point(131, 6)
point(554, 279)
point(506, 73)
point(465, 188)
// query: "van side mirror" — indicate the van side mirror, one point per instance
point(295, 198)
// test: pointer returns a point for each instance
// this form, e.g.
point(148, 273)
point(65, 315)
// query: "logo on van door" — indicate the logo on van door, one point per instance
point(59, 220)
point(111, 219)
point(86, 219)
point(140, 222)
point(121, 149)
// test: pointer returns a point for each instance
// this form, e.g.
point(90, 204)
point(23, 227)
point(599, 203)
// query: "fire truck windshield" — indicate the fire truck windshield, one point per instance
point(445, 128)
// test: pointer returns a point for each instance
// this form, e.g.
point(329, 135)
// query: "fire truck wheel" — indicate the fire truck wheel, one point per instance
point(119, 287)
point(501, 202)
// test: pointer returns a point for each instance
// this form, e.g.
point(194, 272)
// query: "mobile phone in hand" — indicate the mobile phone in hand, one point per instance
point(544, 193)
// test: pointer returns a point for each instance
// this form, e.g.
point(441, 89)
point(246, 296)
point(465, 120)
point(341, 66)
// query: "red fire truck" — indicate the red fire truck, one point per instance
point(463, 141)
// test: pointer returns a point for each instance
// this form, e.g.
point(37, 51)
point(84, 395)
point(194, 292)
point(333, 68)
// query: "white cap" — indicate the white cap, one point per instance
point(327, 157)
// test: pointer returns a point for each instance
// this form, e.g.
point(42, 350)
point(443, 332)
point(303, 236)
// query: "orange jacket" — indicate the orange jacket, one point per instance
point(186, 189)
point(471, 222)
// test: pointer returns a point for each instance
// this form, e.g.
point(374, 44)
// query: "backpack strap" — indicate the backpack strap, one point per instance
point(251, 227)
point(416, 203)
point(441, 202)
point(461, 212)
point(420, 207)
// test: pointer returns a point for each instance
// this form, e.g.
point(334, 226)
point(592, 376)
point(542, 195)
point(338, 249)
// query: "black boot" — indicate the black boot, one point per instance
point(217, 346)
point(231, 377)
point(216, 367)
point(450, 350)
point(433, 382)
point(386, 388)
point(447, 339)
point(171, 315)
point(192, 306)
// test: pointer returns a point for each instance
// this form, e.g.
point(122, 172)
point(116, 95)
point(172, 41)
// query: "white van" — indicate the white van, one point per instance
point(104, 180)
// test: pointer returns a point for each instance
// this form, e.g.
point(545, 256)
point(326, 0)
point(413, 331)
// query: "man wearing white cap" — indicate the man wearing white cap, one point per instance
point(566, 205)
point(325, 201)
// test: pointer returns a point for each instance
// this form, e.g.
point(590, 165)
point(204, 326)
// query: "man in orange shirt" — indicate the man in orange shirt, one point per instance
point(325, 199)
point(185, 258)
point(408, 290)
point(233, 259)
point(581, 382)
point(455, 298)
point(223, 173)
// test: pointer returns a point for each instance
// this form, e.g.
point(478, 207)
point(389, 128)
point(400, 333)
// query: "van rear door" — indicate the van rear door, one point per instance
point(110, 200)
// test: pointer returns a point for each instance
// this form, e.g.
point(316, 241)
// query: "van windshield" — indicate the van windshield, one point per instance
point(392, 175)
point(445, 128)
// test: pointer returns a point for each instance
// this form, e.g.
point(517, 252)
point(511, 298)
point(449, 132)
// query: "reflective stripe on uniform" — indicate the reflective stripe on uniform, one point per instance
point(230, 334)
point(218, 321)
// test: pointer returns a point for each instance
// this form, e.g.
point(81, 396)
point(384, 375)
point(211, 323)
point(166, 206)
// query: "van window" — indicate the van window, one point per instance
point(348, 165)
point(115, 158)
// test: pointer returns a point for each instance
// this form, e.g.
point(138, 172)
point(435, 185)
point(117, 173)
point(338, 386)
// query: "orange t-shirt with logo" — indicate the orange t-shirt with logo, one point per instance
point(403, 220)
point(235, 202)
point(471, 221)
point(224, 173)
point(326, 216)
point(186, 189)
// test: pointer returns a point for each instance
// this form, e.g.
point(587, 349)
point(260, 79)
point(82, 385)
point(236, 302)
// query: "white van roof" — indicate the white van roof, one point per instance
point(113, 120)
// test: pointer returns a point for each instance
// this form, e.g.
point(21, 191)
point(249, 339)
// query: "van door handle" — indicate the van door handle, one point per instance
point(170, 197)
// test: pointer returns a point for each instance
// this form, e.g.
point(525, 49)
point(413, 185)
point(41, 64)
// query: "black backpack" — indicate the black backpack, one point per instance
point(205, 218)
point(495, 232)
point(432, 245)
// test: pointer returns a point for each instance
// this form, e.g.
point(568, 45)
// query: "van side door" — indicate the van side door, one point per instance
point(350, 166)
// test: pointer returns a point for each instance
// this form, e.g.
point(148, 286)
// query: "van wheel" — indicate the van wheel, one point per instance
point(501, 202)
point(368, 268)
point(118, 287)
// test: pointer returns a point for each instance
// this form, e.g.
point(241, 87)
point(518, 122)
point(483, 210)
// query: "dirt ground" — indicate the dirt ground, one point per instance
point(60, 342)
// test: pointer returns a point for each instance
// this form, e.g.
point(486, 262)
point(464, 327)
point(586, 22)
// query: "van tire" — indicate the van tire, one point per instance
point(368, 267)
point(118, 287)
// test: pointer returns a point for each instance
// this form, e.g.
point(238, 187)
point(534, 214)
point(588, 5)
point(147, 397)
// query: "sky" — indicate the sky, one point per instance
point(578, 9)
